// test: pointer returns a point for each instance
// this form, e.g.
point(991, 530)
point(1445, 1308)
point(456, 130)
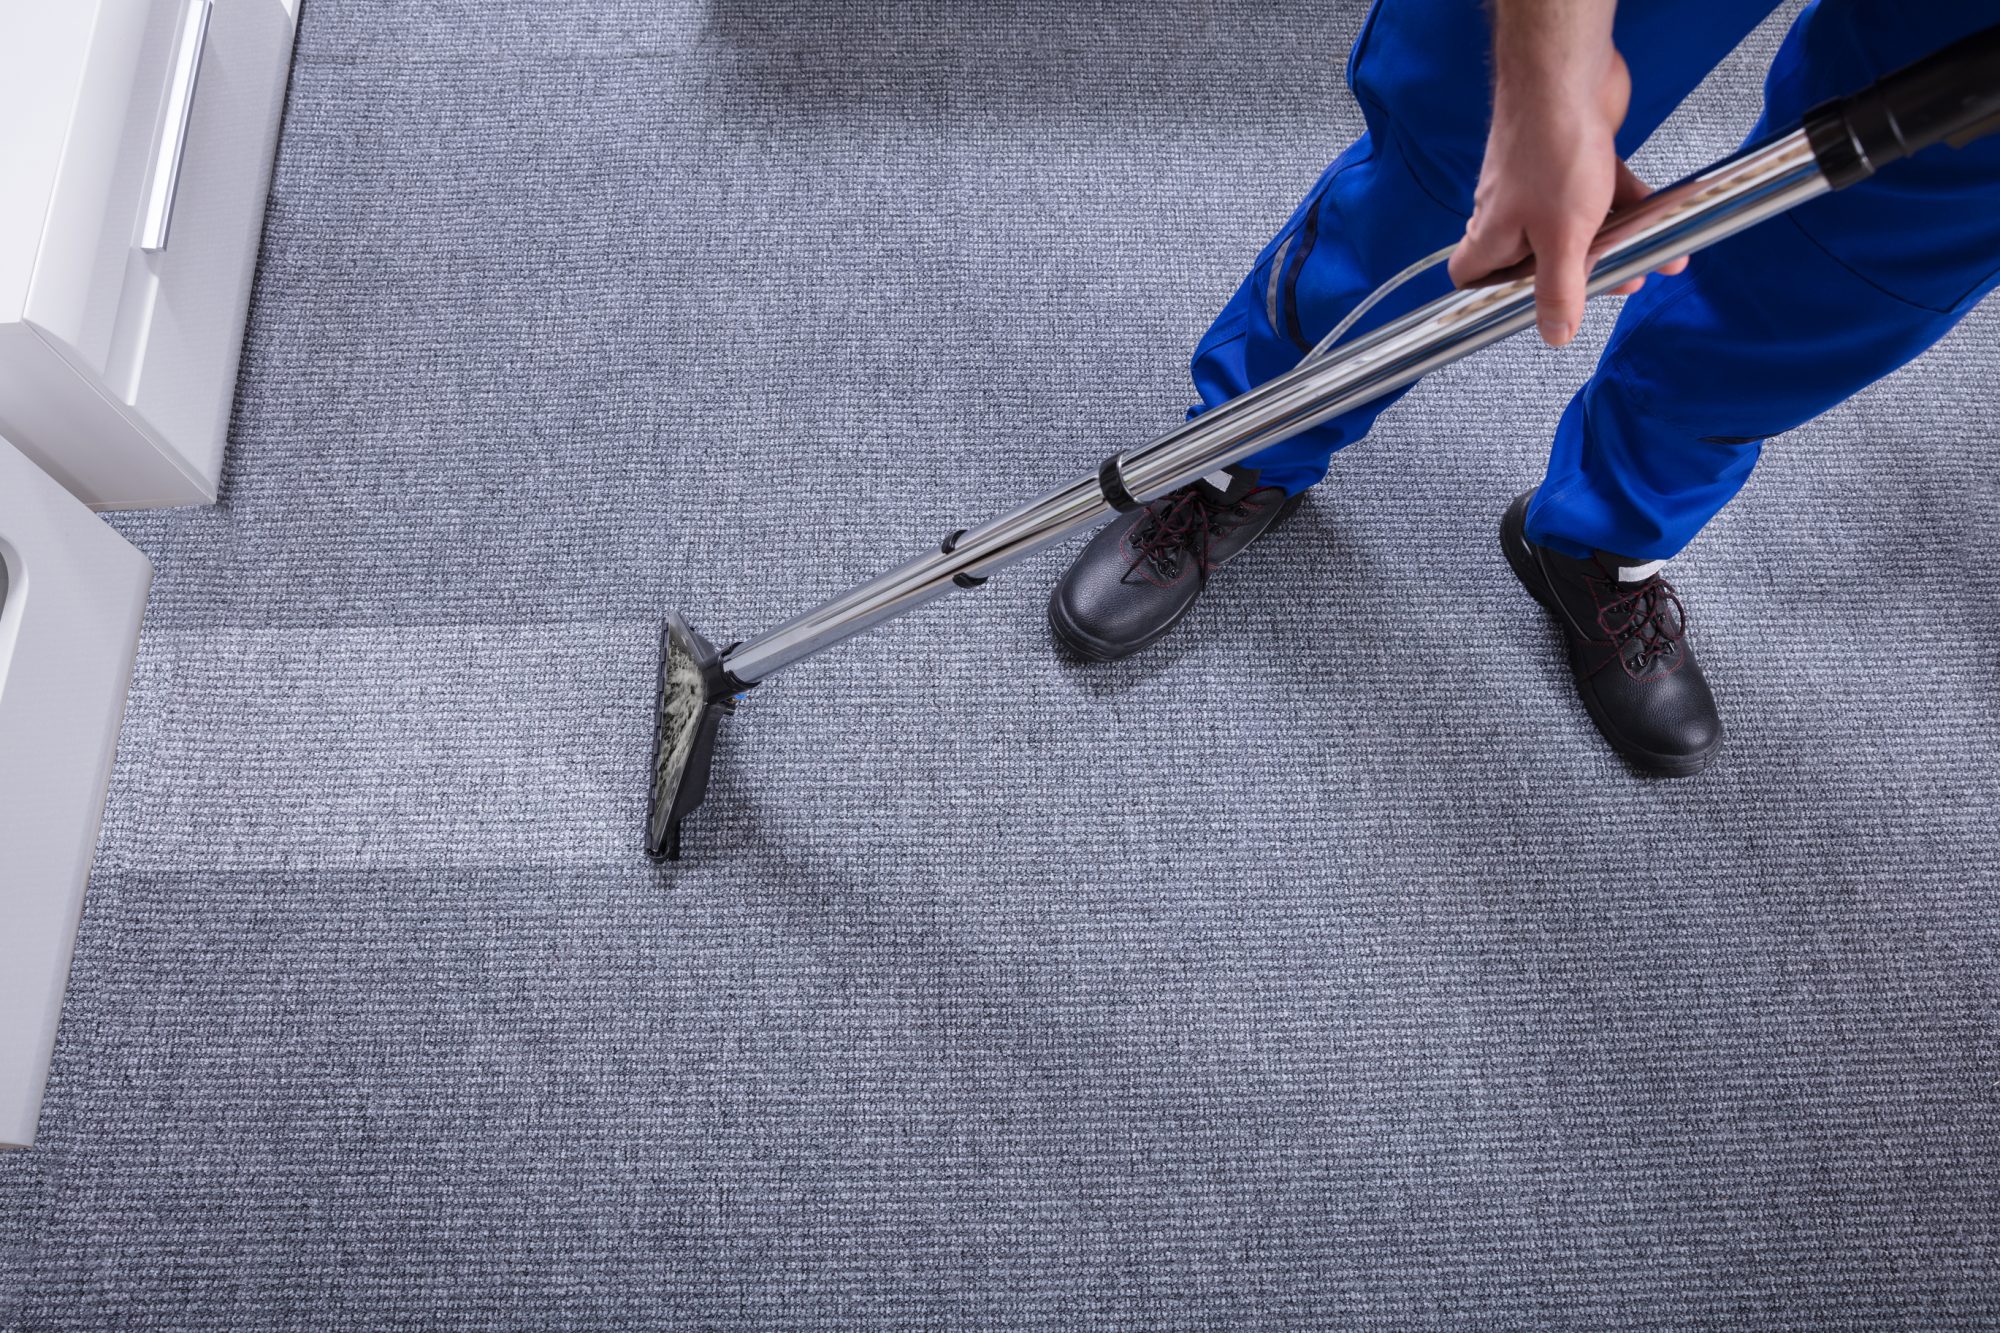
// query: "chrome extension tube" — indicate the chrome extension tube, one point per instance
point(1738, 192)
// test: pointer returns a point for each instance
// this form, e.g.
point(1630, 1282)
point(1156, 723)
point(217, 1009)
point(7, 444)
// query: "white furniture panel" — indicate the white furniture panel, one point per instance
point(129, 228)
point(73, 595)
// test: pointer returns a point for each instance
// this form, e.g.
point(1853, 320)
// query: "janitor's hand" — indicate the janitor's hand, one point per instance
point(1552, 169)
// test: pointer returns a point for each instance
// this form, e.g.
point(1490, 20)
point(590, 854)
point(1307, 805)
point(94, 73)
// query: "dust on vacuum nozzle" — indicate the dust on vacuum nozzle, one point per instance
point(692, 701)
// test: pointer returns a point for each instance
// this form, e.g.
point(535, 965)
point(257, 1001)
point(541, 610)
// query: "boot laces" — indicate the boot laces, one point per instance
point(1185, 524)
point(1647, 614)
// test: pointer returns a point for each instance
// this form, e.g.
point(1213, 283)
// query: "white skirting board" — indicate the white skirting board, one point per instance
point(69, 632)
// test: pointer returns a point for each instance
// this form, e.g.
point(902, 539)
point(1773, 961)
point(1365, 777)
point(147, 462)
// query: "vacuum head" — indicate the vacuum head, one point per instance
point(695, 695)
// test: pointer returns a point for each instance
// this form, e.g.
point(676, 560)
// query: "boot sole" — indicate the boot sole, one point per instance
point(1515, 547)
point(1078, 642)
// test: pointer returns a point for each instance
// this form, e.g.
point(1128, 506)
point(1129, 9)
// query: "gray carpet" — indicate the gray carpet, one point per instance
point(1319, 970)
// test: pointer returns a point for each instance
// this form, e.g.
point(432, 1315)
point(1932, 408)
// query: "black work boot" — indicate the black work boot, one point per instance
point(1628, 650)
point(1142, 572)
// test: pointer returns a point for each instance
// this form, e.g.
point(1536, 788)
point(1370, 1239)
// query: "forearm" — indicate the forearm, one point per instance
point(1551, 170)
point(1551, 51)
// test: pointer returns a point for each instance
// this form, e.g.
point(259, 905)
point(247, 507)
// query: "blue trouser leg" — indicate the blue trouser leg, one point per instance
point(1771, 327)
point(1404, 189)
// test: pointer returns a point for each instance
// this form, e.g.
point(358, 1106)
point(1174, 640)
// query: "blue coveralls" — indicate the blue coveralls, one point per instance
point(1763, 332)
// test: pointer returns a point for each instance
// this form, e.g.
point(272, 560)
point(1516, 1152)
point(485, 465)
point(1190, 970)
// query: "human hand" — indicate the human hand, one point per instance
point(1551, 174)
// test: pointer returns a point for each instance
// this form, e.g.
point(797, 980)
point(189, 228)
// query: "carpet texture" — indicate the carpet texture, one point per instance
point(1320, 969)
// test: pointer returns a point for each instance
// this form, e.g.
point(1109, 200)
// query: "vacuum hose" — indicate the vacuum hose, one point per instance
point(1951, 96)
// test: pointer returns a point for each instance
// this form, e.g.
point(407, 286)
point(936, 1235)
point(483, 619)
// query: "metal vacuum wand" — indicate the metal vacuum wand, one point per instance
point(1952, 96)
point(1672, 222)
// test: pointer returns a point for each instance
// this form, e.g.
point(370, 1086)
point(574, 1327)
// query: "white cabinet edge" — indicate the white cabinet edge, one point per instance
point(69, 629)
point(39, 78)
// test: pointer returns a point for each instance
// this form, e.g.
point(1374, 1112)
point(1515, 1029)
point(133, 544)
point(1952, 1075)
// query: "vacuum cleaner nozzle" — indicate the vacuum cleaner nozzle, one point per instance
point(695, 694)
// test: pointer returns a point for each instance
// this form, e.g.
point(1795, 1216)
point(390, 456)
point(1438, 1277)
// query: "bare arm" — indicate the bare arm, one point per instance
point(1551, 171)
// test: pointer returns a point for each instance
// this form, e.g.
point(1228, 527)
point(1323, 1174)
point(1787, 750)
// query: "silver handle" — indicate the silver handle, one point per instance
point(166, 178)
point(1719, 201)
